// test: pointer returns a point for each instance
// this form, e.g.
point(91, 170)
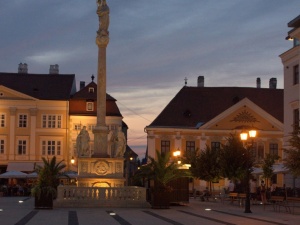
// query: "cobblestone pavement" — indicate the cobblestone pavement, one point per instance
point(196, 212)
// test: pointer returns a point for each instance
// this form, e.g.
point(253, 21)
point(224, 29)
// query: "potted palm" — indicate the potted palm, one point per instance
point(160, 173)
point(48, 179)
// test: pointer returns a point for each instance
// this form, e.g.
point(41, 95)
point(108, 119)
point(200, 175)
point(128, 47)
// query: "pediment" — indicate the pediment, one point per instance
point(244, 114)
point(10, 94)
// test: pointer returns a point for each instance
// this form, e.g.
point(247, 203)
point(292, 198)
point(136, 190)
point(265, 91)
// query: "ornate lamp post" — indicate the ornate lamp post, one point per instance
point(244, 137)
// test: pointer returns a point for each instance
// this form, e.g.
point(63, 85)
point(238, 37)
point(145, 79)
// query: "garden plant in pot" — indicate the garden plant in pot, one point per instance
point(160, 172)
point(46, 186)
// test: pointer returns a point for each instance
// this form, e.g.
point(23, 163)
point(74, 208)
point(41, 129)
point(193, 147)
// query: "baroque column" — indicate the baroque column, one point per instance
point(102, 40)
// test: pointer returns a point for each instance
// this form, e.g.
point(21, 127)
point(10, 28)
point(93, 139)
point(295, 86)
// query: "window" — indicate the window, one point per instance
point(113, 127)
point(190, 147)
point(89, 106)
point(22, 144)
point(252, 149)
point(77, 126)
point(51, 121)
point(215, 145)
point(260, 151)
point(91, 126)
point(2, 120)
point(1, 146)
point(273, 148)
point(22, 120)
point(51, 147)
point(91, 90)
point(296, 119)
point(296, 74)
point(296, 42)
point(165, 147)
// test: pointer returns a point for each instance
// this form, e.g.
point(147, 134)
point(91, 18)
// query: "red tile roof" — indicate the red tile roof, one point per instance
point(85, 95)
point(194, 105)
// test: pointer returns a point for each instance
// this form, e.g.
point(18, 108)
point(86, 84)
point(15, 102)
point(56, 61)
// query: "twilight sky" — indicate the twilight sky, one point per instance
point(153, 46)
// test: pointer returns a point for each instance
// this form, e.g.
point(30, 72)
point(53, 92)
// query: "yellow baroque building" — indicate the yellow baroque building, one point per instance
point(202, 116)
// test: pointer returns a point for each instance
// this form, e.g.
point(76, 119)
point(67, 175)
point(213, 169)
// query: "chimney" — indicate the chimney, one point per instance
point(258, 82)
point(22, 68)
point(54, 69)
point(201, 81)
point(82, 85)
point(273, 83)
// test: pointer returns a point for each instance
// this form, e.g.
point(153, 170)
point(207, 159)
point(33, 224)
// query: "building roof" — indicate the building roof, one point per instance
point(86, 94)
point(197, 105)
point(295, 22)
point(41, 86)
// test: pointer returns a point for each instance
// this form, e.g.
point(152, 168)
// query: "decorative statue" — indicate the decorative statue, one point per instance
point(120, 143)
point(82, 142)
point(103, 13)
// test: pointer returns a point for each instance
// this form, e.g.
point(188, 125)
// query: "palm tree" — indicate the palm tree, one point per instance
point(48, 180)
point(161, 171)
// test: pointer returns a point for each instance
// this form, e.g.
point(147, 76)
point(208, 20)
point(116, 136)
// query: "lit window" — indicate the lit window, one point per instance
point(91, 126)
point(77, 126)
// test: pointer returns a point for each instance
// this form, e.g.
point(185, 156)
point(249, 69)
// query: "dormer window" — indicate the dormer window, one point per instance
point(91, 90)
point(90, 106)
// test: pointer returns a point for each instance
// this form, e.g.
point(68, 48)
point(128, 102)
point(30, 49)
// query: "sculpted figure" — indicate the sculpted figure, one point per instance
point(82, 142)
point(121, 143)
point(103, 13)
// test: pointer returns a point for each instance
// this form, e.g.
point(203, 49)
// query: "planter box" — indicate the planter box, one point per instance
point(44, 202)
point(160, 200)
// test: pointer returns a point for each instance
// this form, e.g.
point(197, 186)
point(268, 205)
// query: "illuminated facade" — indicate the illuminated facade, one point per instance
point(205, 116)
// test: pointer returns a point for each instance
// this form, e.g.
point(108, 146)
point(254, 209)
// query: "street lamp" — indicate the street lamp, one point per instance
point(244, 137)
point(72, 160)
point(177, 154)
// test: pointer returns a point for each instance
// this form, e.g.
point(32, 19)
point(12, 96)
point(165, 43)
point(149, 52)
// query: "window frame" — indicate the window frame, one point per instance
point(215, 145)
point(22, 146)
point(51, 121)
point(165, 146)
point(273, 149)
point(2, 120)
point(22, 122)
point(51, 147)
point(296, 74)
point(89, 106)
point(2, 146)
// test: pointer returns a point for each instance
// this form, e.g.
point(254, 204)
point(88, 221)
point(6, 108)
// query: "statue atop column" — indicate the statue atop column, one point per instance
point(103, 13)
point(82, 143)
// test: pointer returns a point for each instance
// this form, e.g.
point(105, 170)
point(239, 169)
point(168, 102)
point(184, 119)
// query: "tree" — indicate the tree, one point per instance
point(161, 171)
point(236, 161)
point(292, 160)
point(48, 180)
point(267, 166)
point(205, 165)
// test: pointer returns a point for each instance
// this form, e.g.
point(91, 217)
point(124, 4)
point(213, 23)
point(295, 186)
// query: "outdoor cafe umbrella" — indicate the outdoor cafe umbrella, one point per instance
point(32, 175)
point(13, 174)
